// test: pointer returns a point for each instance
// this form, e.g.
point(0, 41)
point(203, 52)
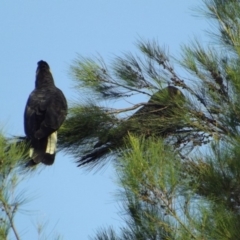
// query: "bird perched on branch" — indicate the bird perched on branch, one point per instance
point(158, 117)
point(45, 111)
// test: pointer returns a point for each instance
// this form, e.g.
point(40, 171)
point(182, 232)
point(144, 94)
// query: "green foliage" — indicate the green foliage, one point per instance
point(164, 199)
point(85, 123)
point(209, 109)
point(149, 174)
point(172, 189)
point(101, 131)
point(217, 175)
point(11, 157)
point(226, 16)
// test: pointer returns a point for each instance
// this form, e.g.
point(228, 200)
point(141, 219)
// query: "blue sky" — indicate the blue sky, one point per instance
point(74, 202)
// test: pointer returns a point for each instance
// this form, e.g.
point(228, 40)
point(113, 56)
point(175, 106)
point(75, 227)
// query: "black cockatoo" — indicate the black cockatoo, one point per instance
point(156, 118)
point(45, 111)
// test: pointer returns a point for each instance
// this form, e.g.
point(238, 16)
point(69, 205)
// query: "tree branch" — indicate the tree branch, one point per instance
point(137, 106)
point(10, 217)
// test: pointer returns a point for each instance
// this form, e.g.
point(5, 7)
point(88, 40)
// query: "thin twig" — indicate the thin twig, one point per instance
point(137, 106)
point(110, 80)
point(10, 217)
point(171, 210)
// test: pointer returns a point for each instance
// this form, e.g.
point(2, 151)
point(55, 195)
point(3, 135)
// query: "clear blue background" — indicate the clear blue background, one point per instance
point(74, 202)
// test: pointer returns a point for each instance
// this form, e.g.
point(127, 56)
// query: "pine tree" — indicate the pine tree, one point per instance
point(13, 158)
point(179, 171)
point(12, 155)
